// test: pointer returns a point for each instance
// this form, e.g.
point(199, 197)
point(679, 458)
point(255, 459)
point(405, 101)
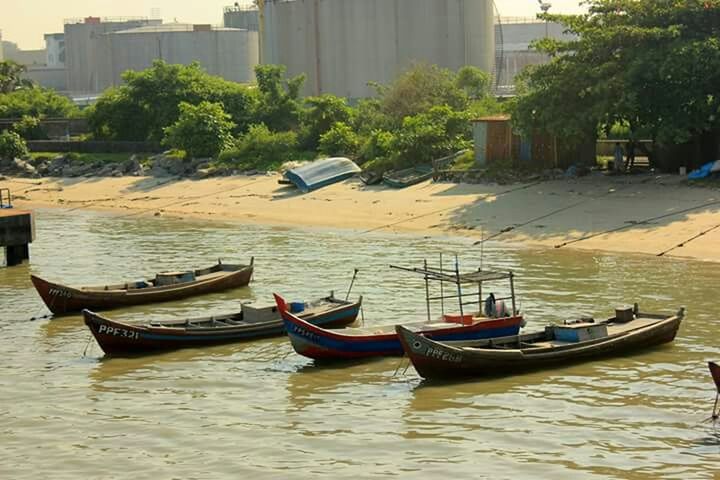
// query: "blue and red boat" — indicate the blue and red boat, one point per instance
point(350, 343)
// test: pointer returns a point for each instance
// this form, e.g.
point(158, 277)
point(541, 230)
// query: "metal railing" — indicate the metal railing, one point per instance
point(5, 198)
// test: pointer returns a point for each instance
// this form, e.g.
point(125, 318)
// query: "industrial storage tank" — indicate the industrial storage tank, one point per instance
point(230, 53)
point(341, 45)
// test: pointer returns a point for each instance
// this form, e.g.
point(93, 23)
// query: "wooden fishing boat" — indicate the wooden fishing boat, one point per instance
point(123, 339)
point(407, 177)
point(556, 345)
point(319, 343)
point(164, 287)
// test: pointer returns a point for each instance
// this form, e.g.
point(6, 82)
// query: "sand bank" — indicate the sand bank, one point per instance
point(648, 214)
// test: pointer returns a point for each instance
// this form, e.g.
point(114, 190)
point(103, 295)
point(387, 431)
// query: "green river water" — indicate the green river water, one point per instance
point(259, 409)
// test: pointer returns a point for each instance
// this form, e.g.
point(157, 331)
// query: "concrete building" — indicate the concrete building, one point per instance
point(230, 53)
point(11, 51)
point(85, 51)
point(513, 37)
point(341, 45)
point(55, 50)
point(246, 17)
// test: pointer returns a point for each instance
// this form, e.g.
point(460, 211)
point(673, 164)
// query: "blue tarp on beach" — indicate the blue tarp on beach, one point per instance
point(321, 173)
point(705, 171)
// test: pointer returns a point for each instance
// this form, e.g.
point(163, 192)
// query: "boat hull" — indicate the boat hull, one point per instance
point(321, 344)
point(61, 299)
point(123, 339)
point(440, 361)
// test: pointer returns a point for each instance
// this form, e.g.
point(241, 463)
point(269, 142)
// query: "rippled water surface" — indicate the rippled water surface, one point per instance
point(259, 409)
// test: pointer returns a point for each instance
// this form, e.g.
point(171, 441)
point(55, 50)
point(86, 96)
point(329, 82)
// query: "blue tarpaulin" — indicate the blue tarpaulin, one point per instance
point(705, 170)
point(321, 173)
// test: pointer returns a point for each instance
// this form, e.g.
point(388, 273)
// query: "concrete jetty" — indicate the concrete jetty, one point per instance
point(17, 231)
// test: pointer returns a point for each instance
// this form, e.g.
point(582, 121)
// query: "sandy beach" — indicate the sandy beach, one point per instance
point(649, 214)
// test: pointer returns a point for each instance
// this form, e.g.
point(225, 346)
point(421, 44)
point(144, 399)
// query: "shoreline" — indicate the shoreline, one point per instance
point(647, 214)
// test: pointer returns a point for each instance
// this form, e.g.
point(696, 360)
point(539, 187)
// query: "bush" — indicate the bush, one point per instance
point(322, 114)
point(12, 145)
point(340, 140)
point(261, 149)
point(429, 136)
point(36, 102)
point(379, 144)
point(29, 128)
point(202, 130)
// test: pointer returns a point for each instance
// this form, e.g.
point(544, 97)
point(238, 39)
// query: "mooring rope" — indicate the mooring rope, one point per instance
point(206, 195)
point(685, 242)
point(434, 212)
point(641, 222)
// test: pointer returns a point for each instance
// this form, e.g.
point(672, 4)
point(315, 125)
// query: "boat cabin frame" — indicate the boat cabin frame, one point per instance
point(453, 276)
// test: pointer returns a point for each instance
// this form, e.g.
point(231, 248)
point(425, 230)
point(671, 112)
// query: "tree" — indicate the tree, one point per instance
point(11, 77)
point(202, 131)
point(418, 89)
point(339, 140)
point(432, 135)
point(321, 115)
point(278, 106)
point(149, 101)
point(653, 65)
point(36, 102)
point(474, 81)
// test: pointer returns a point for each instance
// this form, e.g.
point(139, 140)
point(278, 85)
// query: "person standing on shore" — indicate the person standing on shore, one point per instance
point(630, 155)
point(618, 155)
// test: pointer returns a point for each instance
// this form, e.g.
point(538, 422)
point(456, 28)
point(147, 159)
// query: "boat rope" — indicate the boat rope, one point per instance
point(47, 315)
point(542, 217)
point(685, 242)
point(400, 364)
point(441, 210)
point(196, 197)
point(634, 224)
point(87, 345)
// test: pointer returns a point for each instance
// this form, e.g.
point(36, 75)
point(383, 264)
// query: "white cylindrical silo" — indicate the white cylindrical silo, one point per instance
point(341, 45)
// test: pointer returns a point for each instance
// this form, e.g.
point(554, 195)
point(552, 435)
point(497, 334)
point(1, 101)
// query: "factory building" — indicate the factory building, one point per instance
point(341, 45)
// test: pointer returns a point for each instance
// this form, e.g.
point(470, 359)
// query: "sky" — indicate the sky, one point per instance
point(26, 21)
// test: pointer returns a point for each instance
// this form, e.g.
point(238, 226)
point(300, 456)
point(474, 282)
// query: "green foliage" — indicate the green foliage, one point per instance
point(377, 144)
point(202, 131)
point(431, 135)
point(654, 65)
point(321, 114)
point(29, 128)
point(473, 81)
point(261, 148)
point(278, 106)
point(150, 101)
point(464, 162)
point(340, 140)
point(35, 102)
point(12, 145)
point(419, 89)
point(11, 77)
